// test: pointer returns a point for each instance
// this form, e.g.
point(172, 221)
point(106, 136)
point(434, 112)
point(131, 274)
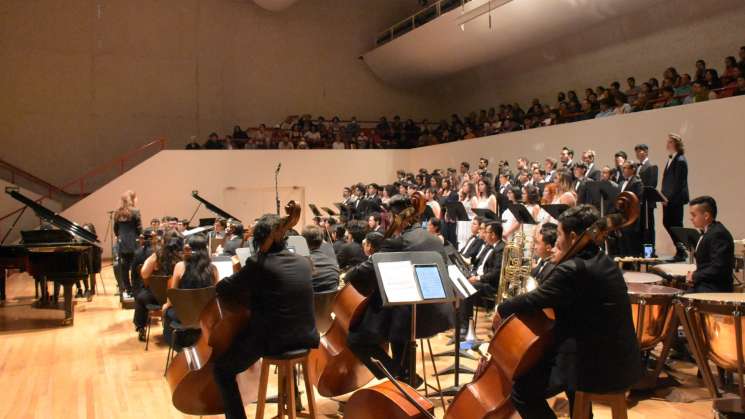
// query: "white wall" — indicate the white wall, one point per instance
point(713, 133)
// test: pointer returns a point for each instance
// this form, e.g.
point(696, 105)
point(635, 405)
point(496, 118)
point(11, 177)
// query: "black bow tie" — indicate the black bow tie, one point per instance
point(670, 156)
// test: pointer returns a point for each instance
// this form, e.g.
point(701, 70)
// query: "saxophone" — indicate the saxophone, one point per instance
point(515, 276)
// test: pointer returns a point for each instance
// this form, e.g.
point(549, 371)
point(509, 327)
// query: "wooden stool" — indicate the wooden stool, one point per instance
point(286, 363)
point(583, 402)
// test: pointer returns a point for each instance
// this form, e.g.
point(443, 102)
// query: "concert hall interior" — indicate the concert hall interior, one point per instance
point(395, 209)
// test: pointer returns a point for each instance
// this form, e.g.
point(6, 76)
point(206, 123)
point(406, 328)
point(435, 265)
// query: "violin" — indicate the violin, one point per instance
point(521, 340)
point(190, 375)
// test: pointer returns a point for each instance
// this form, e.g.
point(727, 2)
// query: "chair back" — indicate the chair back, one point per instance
point(323, 305)
point(158, 285)
point(189, 303)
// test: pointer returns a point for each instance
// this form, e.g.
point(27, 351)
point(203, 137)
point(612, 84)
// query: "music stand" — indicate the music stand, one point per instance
point(487, 214)
point(521, 214)
point(329, 211)
point(314, 210)
point(456, 211)
point(203, 222)
point(411, 279)
point(607, 192)
point(555, 210)
point(688, 236)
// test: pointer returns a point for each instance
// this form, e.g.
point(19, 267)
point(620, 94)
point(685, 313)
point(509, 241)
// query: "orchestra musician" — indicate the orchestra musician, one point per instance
point(675, 190)
point(474, 243)
point(488, 266)
point(162, 262)
point(195, 271)
point(276, 287)
point(325, 273)
point(631, 240)
point(127, 229)
point(714, 253)
point(595, 347)
point(543, 248)
point(233, 239)
point(380, 324)
point(648, 173)
point(350, 253)
point(373, 222)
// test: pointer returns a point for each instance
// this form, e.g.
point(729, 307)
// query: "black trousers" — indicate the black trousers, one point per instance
point(142, 299)
point(125, 269)
point(530, 391)
point(366, 346)
point(235, 360)
point(672, 216)
point(647, 223)
point(477, 300)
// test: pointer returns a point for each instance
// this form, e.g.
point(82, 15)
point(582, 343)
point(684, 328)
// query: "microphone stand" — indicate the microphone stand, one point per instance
point(276, 186)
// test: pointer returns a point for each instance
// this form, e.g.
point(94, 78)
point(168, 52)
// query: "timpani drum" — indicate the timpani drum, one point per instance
point(652, 312)
point(714, 325)
point(632, 277)
point(674, 273)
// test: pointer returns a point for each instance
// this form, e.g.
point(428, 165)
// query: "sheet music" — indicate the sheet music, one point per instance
point(399, 282)
point(460, 282)
point(224, 268)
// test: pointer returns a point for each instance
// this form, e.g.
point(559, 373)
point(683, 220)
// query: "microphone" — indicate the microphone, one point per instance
point(279, 166)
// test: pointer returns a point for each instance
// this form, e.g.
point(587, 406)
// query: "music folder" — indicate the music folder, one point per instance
point(456, 211)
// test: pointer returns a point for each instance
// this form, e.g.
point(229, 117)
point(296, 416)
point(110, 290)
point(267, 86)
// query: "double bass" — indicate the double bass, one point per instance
point(190, 375)
point(334, 369)
point(519, 343)
point(522, 340)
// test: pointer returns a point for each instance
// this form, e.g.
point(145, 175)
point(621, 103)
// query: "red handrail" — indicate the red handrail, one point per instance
point(111, 163)
point(18, 172)
point(116, 162)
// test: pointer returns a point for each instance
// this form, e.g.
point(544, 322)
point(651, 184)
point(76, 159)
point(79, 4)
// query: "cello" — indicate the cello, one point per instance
point(521, 340)
point(519, 343)
point(333, 368)
point(190, 375)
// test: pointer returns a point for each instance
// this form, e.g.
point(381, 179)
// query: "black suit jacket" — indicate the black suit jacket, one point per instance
point(493, 267)
point(594, 173)
point(617, 176)
point(675, 181)
point(585, 194)
point(127, 232)
point(472, 247)
point(325, 272)
point(278, 290)
point(229, 246)
point(541, 270)
point(593, 320)
point(715, 260)
point(648, 173)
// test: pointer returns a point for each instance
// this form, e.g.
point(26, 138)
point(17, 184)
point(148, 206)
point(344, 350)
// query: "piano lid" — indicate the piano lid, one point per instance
point(212, 207)
point(56, 220)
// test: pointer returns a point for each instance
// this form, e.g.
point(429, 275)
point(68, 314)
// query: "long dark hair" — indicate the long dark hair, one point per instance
point(169, 254)
point(199, 263)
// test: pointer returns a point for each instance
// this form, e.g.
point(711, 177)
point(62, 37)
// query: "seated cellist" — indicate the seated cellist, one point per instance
point(595, 347)
point(276, 287)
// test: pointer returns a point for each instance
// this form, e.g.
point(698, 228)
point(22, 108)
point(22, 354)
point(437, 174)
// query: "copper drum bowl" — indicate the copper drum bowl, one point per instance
point(651, 311)
point(674, 273)
point(712, 318)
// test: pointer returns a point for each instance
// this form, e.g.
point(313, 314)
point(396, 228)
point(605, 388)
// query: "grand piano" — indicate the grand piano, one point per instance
point(64, 255)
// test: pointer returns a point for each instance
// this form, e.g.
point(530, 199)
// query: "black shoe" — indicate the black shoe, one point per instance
point(79, 294)
point(142, 334)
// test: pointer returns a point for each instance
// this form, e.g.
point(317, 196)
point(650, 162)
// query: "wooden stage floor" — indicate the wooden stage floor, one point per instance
point(98, 369)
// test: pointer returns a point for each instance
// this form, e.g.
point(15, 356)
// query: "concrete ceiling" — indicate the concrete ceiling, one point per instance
point(441, 48)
